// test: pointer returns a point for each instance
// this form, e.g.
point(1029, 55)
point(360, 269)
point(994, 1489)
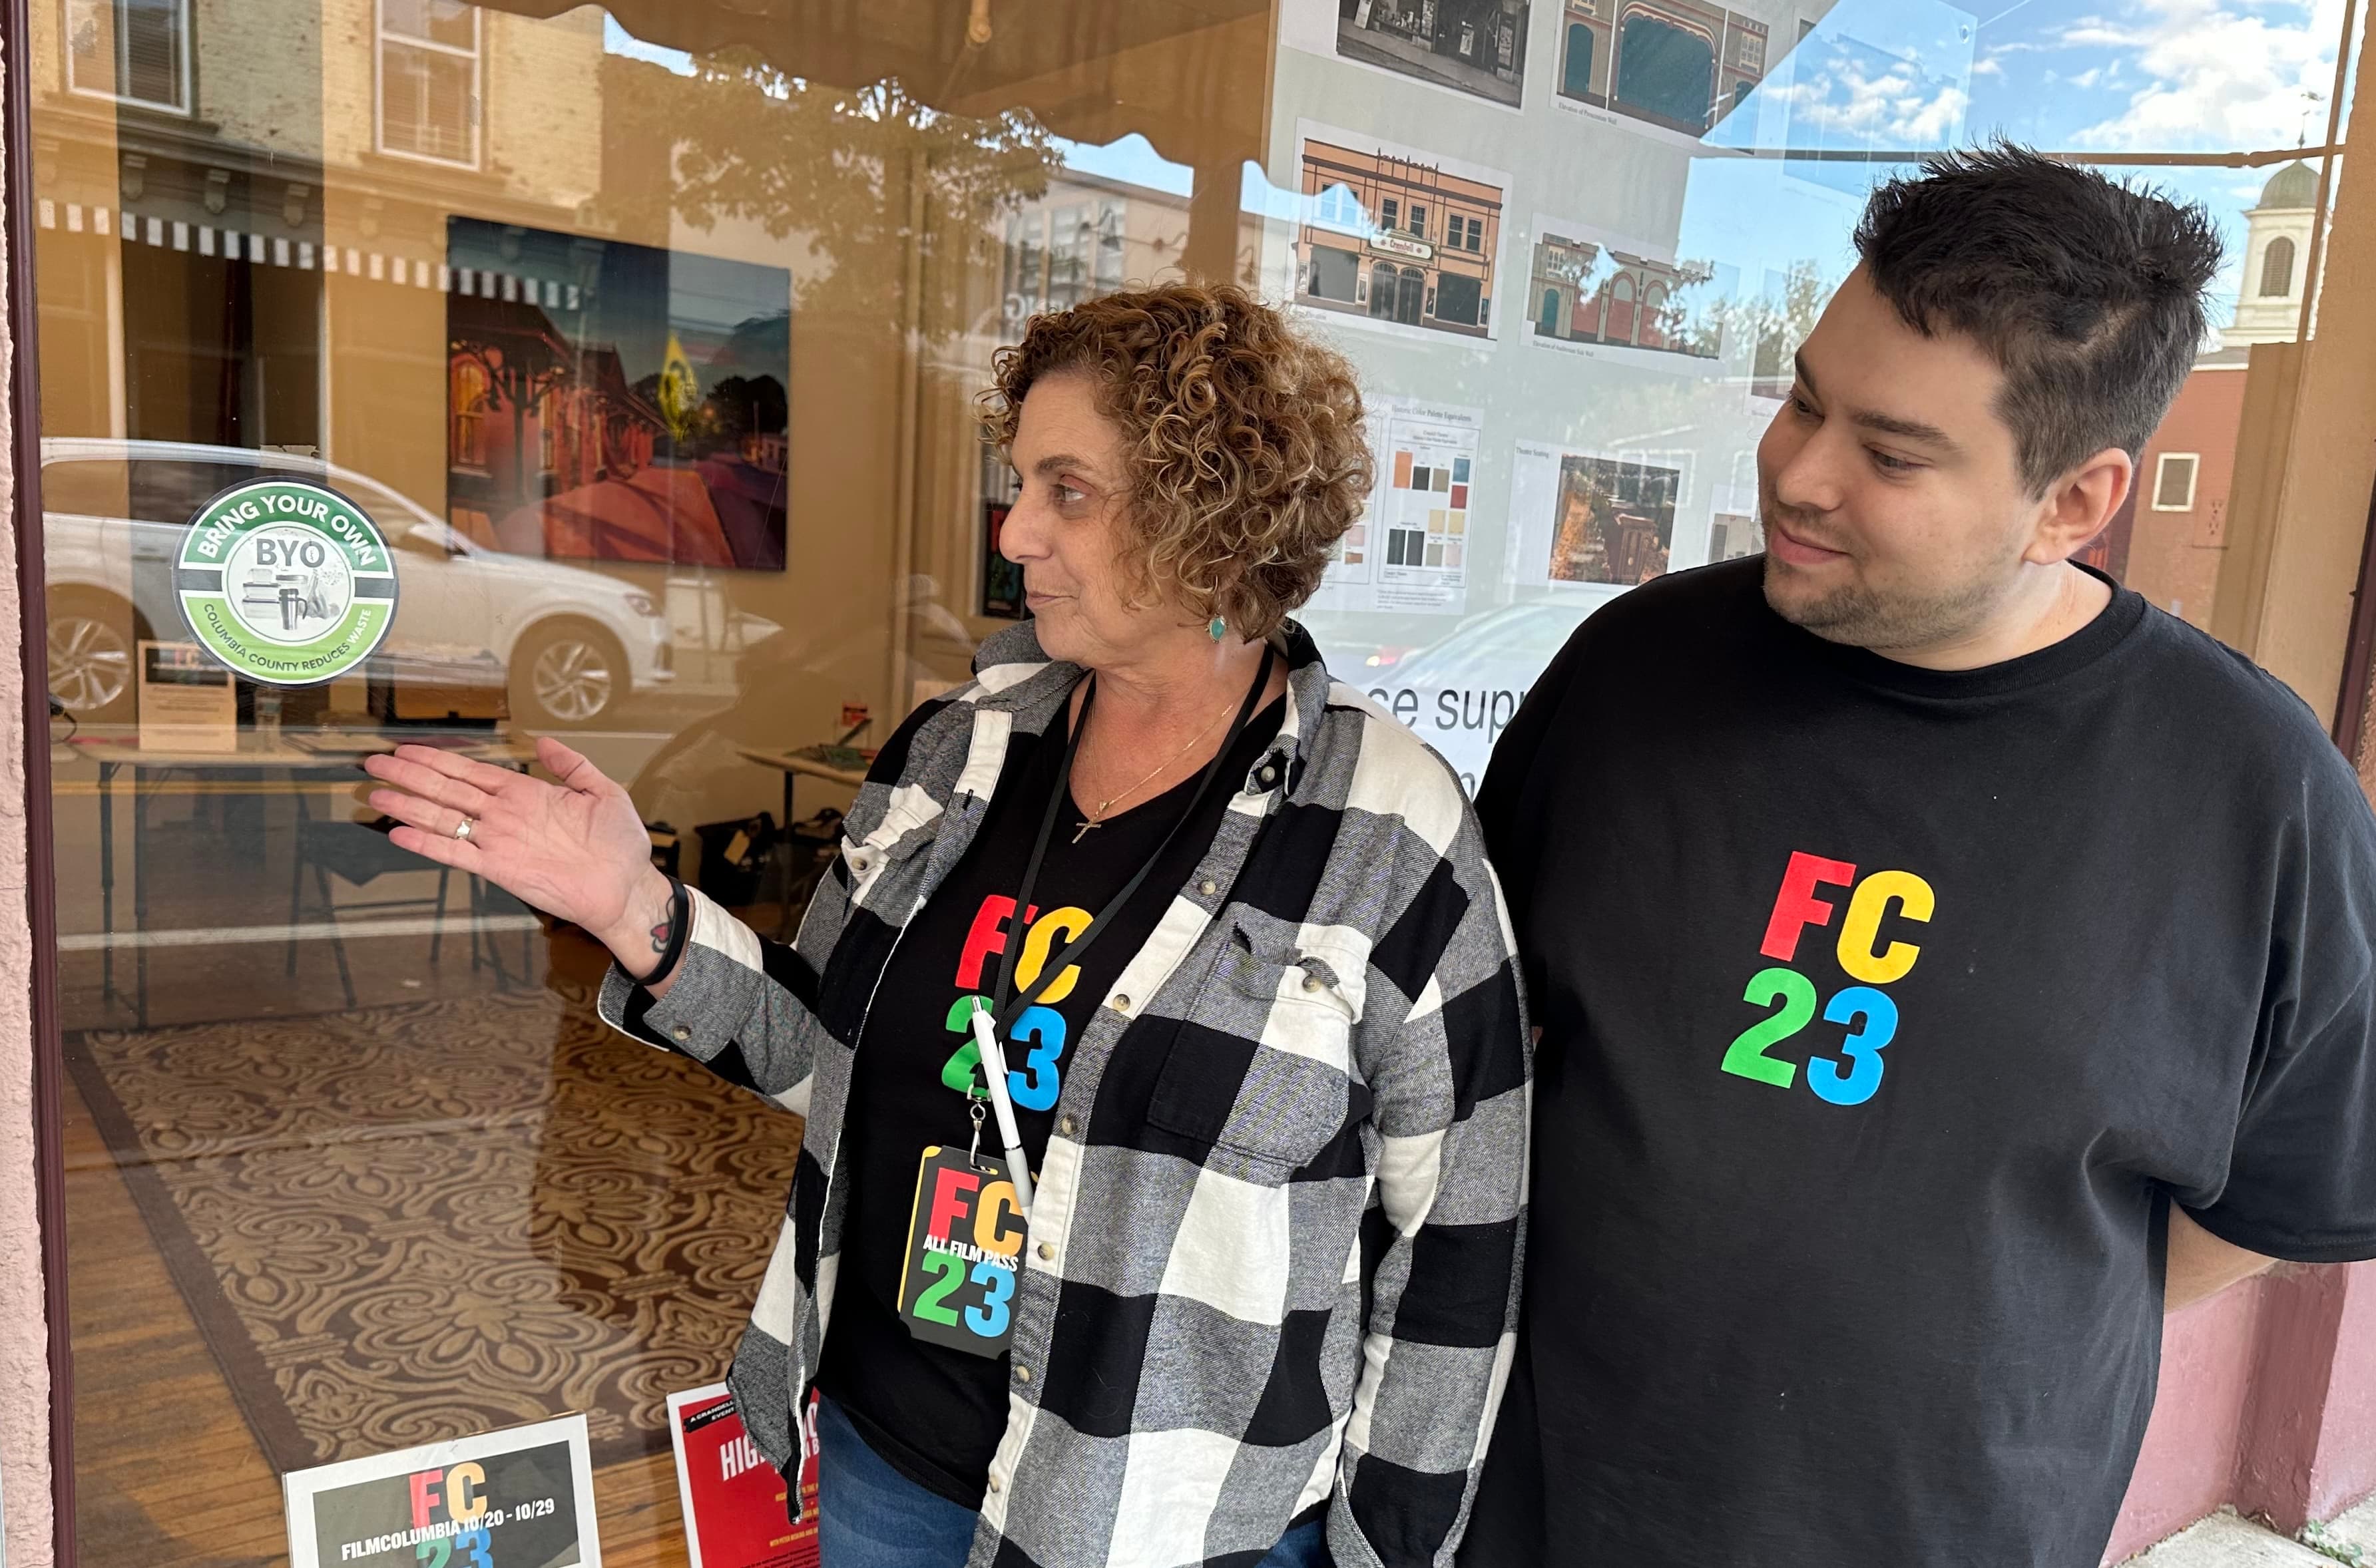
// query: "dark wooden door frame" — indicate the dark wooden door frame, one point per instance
point(2359, 650)
point(40, 881)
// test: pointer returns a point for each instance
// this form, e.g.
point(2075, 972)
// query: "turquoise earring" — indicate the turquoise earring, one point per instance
point(1218, 627)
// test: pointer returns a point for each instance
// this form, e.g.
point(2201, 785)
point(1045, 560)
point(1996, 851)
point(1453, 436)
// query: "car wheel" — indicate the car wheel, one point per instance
point(92, 637)
point(567, 675)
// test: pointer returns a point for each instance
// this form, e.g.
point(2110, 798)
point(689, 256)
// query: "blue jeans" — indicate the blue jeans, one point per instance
point(868, 1515)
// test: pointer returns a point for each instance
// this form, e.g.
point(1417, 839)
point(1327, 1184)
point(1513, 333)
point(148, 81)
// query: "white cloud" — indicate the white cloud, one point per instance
point(2215, 73)
point(1888, 103)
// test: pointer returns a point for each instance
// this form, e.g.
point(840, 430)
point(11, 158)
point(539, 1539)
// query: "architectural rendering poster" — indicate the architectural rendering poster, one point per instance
point(615, 402)
point(519, 1498)
point(1673, 69)
point(1592, 293)
point(1477, 47)
point(1409, 551)
point(1585, 518)
point(1397, 239)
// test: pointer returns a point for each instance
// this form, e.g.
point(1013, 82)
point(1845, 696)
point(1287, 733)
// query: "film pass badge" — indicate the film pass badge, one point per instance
point(286, 581)
point(965, 1242)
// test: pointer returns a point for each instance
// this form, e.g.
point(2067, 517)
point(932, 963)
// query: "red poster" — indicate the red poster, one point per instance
point(733, 1499)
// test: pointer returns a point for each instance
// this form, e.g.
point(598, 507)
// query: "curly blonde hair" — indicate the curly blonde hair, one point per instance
point(1249, 457)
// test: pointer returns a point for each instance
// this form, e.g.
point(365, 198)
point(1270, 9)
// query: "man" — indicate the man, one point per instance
point(1945, 961)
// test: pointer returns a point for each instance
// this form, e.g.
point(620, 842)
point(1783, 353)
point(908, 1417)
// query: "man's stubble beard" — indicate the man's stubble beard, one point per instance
point(1856, 616)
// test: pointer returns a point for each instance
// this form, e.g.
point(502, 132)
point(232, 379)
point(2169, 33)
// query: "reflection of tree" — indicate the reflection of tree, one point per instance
point(749, 406)
point(1577, 265)
point(1775, 327)
point(752, 143)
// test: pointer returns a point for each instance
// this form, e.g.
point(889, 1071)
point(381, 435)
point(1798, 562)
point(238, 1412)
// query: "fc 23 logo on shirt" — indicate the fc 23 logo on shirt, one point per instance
point(1867, 1010)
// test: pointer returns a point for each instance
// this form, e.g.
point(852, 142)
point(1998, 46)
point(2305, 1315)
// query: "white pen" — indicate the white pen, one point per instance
point(993, 1070)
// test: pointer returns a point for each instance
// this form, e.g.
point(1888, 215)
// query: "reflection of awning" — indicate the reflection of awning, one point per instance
point(1191, 76)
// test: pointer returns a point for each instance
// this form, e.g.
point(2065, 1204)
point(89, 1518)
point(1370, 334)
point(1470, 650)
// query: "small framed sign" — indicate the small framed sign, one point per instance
point(735, 1515)
point(187, 700)
point(519, 1498)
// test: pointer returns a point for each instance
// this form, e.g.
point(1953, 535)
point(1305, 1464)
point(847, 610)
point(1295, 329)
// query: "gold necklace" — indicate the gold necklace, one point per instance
point(1097, 815)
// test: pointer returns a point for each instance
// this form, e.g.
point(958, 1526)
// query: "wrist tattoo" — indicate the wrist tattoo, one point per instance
point(664, 930)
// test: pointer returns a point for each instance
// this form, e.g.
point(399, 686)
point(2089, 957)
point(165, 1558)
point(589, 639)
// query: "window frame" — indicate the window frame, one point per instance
point(476, 55)
point(185, 61)
point(2193, 461)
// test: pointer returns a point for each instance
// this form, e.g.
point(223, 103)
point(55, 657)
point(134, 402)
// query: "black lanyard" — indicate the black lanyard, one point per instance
point(1006, 1010)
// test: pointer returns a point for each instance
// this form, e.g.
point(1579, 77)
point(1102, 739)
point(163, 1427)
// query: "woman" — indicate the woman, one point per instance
point(1229, 934)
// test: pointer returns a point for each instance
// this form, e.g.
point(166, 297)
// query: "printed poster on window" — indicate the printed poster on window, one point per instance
point(733, 1499)
point(519, 1498)
point(1409, 551)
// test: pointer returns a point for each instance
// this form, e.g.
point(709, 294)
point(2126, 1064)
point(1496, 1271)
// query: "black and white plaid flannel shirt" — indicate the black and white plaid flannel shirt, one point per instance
point(1300, 1289)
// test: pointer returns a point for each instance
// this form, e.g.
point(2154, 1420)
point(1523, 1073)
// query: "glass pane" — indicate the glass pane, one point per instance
point(151, 34)
point(660, 399)
point(90, 44)
point(426, 110)
point(441, 21)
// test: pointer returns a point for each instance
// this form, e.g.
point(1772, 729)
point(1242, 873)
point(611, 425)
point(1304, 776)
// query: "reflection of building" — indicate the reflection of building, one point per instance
point(1584, 293)
point(2170, 535)
point(1478, 46)
point(1059, 251)
point(1396, 239)
point(217, 269)
point(2277, 256)
point(2178, 515)
point(1670, 61)
point(1091, 234)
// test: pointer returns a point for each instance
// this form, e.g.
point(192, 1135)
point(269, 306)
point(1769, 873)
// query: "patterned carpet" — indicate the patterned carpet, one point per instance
point(411, 1223)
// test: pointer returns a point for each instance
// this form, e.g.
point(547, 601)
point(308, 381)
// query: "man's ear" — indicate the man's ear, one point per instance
point(2080, 506)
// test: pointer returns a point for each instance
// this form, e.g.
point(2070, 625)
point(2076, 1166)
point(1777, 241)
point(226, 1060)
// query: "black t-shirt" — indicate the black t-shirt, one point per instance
point(1886, 1010)
point(934, 1413)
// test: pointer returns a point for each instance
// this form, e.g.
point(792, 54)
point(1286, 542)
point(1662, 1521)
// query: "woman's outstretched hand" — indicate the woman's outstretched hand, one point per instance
point(575, 848)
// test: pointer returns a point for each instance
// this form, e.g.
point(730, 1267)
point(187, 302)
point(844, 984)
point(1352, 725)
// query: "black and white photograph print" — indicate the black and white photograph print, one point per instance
point(1473, 46)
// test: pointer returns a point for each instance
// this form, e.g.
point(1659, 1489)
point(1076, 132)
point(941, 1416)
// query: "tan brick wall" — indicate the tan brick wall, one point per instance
point(543, 126)
point(256, 63)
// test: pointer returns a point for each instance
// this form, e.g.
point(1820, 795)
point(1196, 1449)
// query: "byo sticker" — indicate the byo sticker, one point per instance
point(286, 582)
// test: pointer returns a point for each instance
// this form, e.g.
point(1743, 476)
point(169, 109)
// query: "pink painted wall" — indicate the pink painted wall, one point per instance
point(2267, 1401)
point(2188, 1465)
point(2345, 1469)
point(24, 1343)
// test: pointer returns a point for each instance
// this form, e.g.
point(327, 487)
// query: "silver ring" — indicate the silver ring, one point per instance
point(462, 829)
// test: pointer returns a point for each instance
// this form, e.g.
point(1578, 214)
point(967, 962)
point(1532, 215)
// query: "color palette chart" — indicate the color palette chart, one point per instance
point(1409, 549)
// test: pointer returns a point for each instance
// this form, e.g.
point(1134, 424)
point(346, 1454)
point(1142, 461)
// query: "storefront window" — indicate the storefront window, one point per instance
point(647, 341)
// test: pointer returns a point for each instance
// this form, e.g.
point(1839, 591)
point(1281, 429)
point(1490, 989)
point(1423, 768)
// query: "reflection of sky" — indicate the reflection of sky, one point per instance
point(2159, 76)
point(2093, 76)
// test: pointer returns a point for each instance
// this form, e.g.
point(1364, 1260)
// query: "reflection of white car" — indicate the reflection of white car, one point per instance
point(569, 644)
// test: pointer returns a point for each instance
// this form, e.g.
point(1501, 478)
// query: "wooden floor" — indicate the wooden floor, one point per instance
point(167, 1474)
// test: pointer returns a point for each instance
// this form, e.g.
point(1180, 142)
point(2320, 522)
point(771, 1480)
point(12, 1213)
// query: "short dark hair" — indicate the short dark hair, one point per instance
point(2087, 293)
